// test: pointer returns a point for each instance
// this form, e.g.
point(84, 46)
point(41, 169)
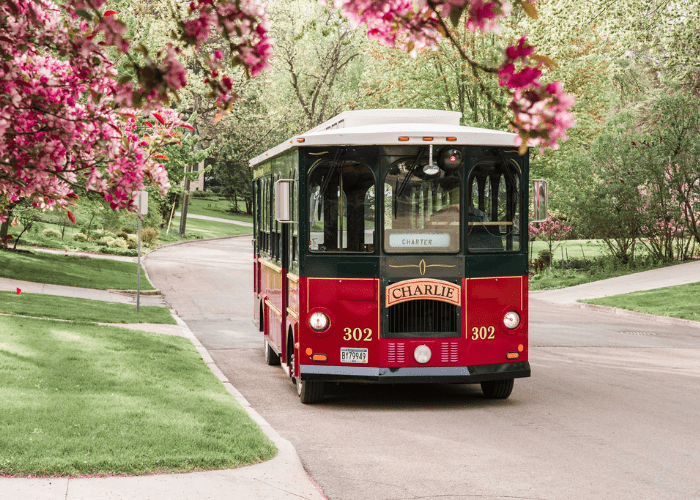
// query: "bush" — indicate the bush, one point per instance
point(79, 237)
point(118, 243)
point(122, 234)
point(51, 233)
point(119, 251)
point(101, 243)
point(127, 230)
point(132, 241)
point(150, 236)
point(546, 257)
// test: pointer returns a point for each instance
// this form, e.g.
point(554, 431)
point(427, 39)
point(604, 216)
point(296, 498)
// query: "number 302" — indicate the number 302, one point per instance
point(483, 333)
point(358, 334)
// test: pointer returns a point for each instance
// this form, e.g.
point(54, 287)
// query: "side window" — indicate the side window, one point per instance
point(341, 206)
point(493, 212)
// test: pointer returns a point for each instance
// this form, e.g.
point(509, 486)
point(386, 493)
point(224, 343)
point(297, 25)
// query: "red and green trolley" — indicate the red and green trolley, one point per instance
point(391, 246)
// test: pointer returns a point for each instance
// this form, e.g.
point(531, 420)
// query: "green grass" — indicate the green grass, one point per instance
point(70, 308)
point(82, 399)
point(218, 208)
point(570, 249)
point(69, 270)
point(680, 301)
point(209, 229)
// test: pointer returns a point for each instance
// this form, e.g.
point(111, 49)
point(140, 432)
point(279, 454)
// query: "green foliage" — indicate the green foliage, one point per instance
point(79, 237)
point(51, 233)
point(118, 243)
point(150, 236)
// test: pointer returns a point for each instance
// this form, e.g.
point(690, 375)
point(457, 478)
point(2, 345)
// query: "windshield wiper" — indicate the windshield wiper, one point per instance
point(409, 174)
point(331, 171)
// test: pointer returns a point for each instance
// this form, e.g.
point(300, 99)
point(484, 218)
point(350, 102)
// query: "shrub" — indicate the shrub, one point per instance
point(123, 235)
point(118, 243)
point(127, 230)
point(101, 243)
point(119, 251)
point(132, 241)
point(51, 233)
point(546, 257)
point(79, 237)
point(150, 236)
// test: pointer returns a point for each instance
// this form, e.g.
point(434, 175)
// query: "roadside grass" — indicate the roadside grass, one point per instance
point(82, 399)
point(86, 310)
point(215, 208)
point(682, 301)
point(70, 270)
point(209, 229)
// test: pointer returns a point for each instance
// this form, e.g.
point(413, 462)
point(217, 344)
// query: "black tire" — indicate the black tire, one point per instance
point(271, 357)
point(497, 389)
point(310, 391)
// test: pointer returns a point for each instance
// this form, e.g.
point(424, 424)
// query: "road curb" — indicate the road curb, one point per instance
point(286, 451)
point(667, 320)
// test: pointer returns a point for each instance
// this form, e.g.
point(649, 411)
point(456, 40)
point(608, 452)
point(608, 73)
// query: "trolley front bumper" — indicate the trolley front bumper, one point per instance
point(412, 375)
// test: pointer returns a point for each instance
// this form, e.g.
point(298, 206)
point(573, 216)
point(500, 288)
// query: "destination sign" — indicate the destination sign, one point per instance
point(423, 289)
point(419, 240)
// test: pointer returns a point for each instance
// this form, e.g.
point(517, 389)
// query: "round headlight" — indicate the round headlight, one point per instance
point(451, 159)
point(319, 322)
point(422, 354)
point(511, 320)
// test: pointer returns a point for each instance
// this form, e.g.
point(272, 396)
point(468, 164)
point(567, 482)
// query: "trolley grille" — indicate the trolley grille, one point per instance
point(422, 318)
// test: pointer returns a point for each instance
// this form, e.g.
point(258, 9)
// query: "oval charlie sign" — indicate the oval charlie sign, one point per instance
point(423, 289)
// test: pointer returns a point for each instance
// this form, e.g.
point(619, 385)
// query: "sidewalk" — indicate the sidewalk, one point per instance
point(281, 478)
point(680, 274)
point(215, 219)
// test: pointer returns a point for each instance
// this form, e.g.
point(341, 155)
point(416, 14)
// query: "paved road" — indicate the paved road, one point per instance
point(610, 411)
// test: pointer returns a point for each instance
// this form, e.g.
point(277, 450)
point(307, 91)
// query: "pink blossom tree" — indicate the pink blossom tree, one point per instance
point(60, 96)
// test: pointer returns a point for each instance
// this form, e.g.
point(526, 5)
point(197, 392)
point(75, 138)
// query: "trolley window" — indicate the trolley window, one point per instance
point(421, 208)
point(341, 197)
point(493, 213)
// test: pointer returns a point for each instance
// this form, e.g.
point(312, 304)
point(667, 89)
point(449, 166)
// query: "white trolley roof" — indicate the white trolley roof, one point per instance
point(392, 127)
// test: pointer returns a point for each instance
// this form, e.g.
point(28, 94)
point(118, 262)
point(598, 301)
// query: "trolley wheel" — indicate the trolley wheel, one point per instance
point(271, 357)
point(497, 389)
point(309, 391)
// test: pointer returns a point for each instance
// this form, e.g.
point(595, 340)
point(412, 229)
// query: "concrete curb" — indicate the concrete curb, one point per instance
point(667, 320)
point(287, 454)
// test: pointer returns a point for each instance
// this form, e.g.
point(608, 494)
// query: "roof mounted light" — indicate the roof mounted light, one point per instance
point(403, 138)
point(428, 138)
point(301, 139)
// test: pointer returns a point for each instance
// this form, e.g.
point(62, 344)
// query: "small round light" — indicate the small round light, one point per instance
point(511, 320)
point(451, 159)
point(319, 322)
point(422, 354)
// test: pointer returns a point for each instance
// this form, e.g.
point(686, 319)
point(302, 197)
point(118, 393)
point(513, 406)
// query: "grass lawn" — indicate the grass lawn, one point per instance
point(69, 270)
point(219, 208)
point(570, 249)
point(682, 301)
point(70, 308)
point(209, 229)
point(81, 399)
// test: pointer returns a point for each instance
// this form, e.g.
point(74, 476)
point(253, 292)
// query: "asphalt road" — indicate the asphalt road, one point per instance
point(611, 410)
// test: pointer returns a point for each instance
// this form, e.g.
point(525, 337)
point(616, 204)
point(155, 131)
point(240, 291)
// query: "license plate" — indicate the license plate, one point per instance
point(353, 355)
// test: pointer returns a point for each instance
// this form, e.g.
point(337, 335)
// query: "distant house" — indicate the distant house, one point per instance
point(198, 183)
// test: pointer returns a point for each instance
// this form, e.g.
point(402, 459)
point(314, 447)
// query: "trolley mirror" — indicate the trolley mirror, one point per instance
point(539, 200)
point(283, 189)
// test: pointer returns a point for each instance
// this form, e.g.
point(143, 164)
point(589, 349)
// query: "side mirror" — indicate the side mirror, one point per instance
point(283, 192)
point(539, 200)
